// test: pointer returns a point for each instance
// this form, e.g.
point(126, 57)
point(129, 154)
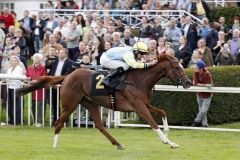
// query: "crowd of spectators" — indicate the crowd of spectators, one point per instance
point(59, 43)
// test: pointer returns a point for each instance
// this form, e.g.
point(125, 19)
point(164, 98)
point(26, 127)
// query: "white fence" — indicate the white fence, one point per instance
point(131, 17)
point(80, 117)
point(119, 121)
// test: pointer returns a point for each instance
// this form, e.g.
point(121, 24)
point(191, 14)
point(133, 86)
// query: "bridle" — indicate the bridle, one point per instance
point(177, 79)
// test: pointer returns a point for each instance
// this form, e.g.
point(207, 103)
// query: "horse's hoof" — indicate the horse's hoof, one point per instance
point(120, 147)
point(173, 145)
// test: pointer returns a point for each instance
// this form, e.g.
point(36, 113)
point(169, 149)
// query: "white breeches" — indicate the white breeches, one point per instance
point(112, 64)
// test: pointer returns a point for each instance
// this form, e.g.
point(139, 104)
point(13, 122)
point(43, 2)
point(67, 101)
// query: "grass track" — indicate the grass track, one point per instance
point(29, 143)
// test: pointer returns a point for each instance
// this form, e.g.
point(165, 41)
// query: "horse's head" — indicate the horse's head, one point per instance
point(174, 71)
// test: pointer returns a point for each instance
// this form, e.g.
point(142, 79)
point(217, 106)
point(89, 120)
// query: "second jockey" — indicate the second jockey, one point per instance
point(121, 59)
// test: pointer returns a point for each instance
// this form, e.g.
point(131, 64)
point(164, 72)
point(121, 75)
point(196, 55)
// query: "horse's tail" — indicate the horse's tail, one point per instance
point(41, 82)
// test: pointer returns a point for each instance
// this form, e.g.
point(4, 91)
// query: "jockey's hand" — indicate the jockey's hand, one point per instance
point(152, 63)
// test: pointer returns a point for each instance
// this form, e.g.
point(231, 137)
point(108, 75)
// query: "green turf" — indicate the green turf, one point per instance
point(29, 143)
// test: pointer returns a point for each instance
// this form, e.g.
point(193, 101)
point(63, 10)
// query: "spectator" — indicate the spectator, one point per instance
point(61, 27)
point(204, 28)
point(157, 30)
point(7, 18)
point(34, 71)
point(58, 67)
point(181, 24)
point(11, 32)
point(100, 31)
point(152, 48)
point(98, 51)
point(234, 43)
point(75, 5)
point(224, 57)
point(187, 26)
point(236, 24)
point(90, 48)
point(107, 45)
point(172, 33)
point(145, 31)
point(86, 60)
point(28, 21)
point(218, 45)
point(200, 9)
point(38, 32)
point(95, 17)
point(81, 21)
point(127, 39)
point(119, 26)
point(2, 37)
point(183, 53)
point(14, 15)
point(3, 26)
point(116, 39)
point(51, 24)
point(82, 50)
point(17, 52)
point(222, 26)
point(58, 37)
point(202, 78)
point(14, 70)
point(161, 46)
point(181, 4)
point(49, 8)
point(59, 6)
point(212, 37)
point(52, 43)
point(206, 52)
point(196, 56)
point(20, 41)
point(26, 34)
point(116, 14)
point(46, 39)
point(5, 55)
point(192, 37)
point(111, 29)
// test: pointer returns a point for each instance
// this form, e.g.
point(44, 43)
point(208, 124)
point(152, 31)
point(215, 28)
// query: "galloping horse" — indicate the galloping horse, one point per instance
point(76, 89)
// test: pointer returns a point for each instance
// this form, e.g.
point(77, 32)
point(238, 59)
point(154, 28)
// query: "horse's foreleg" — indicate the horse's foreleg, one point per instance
point(144, 113)
point(162, 114)
point(94, 111)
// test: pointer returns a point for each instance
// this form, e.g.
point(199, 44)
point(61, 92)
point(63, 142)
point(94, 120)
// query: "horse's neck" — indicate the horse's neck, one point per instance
point(147, 77)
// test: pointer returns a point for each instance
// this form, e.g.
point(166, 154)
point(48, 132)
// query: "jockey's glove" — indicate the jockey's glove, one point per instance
point(152, 63)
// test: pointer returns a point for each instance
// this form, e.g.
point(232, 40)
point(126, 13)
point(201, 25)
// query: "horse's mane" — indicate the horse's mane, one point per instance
point(164, 57)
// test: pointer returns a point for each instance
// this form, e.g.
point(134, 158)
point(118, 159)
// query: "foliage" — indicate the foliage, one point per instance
point(28, 143)
point(181, 107)
point(227, 12)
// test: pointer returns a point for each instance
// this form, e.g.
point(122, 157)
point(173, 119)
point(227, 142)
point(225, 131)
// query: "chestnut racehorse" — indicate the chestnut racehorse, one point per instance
point(76, 89)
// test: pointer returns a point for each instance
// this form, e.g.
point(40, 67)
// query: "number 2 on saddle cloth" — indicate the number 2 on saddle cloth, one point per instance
point(99, 89)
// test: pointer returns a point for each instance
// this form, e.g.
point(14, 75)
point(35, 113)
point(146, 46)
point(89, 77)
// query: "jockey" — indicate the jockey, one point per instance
point(121, 58)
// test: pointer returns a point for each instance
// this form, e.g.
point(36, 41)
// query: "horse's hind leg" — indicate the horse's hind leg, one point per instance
point(94, 110)
point(144, 113)
point(68, 108)
point(162, 114)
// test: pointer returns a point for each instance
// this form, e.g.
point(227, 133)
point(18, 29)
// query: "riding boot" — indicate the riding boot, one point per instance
point(107, 80)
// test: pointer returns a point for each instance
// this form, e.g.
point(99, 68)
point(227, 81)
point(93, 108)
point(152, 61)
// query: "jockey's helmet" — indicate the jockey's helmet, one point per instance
point(140, 48)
